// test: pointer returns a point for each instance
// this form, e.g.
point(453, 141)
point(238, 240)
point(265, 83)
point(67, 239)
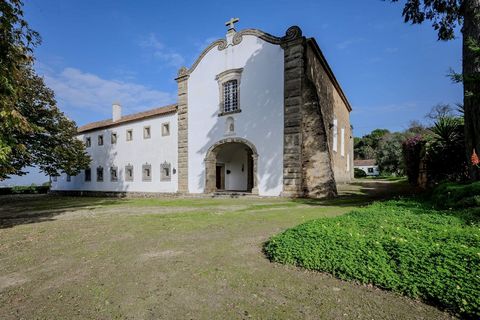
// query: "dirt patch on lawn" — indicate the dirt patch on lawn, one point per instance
point(11, 280)
point(160, 254)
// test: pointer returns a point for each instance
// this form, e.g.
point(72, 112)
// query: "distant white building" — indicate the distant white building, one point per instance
point(255, 113)
point(369, 166)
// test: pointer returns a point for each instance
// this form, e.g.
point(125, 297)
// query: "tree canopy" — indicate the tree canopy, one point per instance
point(33, 131)
point(445, 15)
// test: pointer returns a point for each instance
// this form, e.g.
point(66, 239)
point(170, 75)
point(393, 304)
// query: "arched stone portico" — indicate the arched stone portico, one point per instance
point(211, 163)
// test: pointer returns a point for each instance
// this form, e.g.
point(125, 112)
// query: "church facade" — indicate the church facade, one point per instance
point(255, 113)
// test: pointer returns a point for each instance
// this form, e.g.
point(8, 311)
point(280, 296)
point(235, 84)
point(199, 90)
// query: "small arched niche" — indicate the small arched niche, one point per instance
point(229, 126)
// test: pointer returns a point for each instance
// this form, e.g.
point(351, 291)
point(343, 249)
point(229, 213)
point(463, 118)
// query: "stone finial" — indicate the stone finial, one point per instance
point(183, 71)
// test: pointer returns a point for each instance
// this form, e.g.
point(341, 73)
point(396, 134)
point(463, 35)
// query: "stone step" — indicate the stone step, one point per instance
point(233, 194)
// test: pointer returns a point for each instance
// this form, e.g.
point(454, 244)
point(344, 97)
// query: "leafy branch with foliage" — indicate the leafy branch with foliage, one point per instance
point(446, 16)
point(33, 131)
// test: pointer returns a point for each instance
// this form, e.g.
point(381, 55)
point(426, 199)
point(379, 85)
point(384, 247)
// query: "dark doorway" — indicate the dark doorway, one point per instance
point(250, 171)
point(220, 177)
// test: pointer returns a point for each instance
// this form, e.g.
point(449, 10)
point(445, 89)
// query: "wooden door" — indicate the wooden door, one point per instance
point(220, 177)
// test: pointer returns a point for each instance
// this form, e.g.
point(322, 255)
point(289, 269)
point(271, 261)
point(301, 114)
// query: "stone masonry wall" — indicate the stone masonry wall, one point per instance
point(331, 106)
point(292, 145)
point(308, 168)
point(182, 81)
point(318, 176)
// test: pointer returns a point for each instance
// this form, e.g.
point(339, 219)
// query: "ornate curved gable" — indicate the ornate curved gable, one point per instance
point(292, 33)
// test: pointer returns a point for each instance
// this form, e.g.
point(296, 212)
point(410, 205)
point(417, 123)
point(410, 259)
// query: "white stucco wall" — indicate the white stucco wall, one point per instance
point(154, 151)
point(375, 172)
point(261, 102)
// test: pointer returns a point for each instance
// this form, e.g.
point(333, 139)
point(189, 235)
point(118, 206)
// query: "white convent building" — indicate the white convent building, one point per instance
point(255, 113)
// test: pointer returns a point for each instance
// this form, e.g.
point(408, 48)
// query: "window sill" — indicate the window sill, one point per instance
point(228, 113)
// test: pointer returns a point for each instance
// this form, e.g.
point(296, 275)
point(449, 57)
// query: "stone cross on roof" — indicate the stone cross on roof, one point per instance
point(231, 23)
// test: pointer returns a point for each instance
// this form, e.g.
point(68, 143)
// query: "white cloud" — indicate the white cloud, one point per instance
point(349, 42)
point(159, 51)
point(76, 90)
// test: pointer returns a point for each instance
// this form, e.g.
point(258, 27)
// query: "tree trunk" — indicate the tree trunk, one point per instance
point(471, 83)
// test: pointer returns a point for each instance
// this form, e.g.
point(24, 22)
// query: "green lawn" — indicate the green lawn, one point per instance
point(96, 258)
point(404, 245)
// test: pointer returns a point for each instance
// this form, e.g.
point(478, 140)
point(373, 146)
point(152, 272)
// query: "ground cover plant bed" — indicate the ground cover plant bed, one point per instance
point(404, 246)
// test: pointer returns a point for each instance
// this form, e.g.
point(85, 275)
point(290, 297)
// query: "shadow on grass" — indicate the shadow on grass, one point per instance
point(363, 192)
point(25, 209)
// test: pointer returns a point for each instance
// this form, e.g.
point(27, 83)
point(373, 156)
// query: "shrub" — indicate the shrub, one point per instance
point(24, 190)
point(445, 151)
point(398, 245)
point(456, 195)
point(359, 173)
point(412, 154)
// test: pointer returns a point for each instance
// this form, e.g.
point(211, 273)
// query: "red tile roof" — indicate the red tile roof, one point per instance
point(364, 163)
point(129, 118)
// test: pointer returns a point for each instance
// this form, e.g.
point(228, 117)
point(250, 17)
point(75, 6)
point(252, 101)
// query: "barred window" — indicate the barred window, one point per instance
point(113, 174)
point(129, 135)
point(165, 171)
point(114, 138)
point(146, 172)
point(230, 96)
point(100, 174)
point(146, 132)
point(88, 174)
point(166, 129)
point(129, 173)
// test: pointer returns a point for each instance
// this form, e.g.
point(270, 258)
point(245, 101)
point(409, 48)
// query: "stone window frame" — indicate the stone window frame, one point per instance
point(113, 174)
point(127, 176)
point(147, 132)
point(88, 142)
point(165, 129)
point(335, 135)
point(88, 177)
point(100, 140)
point(113, 137)
point(145, 177)
point(166, 171)
point(129, 135)
point(342, 141)
point(222, 78)
point(100, 177)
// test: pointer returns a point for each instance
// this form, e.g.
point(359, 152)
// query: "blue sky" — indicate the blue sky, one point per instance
point(97, 52)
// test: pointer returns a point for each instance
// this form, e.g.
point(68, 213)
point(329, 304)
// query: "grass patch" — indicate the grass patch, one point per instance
point(403, 245)
point(385, 178)
point(455, 195)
